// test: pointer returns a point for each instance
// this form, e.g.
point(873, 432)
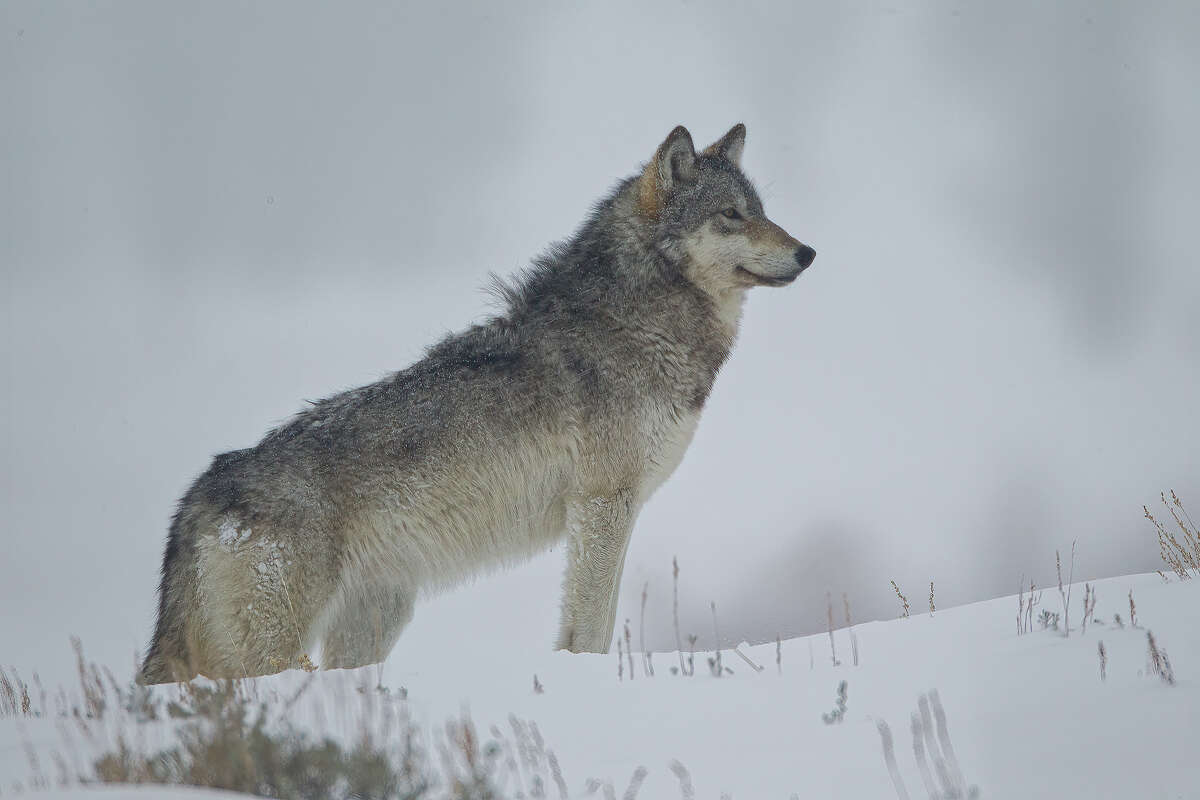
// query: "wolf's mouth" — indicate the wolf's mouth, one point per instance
point(764, 280)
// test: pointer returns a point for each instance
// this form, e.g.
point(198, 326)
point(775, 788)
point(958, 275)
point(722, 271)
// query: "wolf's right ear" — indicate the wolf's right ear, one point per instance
point(674, 164)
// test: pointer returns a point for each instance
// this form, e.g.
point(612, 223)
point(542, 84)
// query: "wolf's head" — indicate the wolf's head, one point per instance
point(706, 215)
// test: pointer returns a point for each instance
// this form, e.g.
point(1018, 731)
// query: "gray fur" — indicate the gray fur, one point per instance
point(555, 419)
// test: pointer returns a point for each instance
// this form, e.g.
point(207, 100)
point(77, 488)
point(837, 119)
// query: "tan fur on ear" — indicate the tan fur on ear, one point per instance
point(657, 173)
point(649, 201)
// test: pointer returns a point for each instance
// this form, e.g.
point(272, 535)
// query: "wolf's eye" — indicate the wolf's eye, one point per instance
point(731, 213)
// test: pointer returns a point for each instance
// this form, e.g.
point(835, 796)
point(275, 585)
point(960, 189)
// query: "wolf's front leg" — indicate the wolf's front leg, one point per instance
point(598, 530)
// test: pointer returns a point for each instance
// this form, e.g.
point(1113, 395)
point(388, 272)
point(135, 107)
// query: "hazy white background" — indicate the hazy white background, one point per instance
point(209, 212)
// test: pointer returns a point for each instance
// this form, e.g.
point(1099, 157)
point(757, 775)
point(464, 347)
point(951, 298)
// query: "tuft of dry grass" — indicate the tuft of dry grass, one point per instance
point(714, 664)
point(14, 696)
point(850, 629)
point(234, 735)
point(1089, 606)
point(675, 611)
point(1160, 665)
point(1065, 596)
point(1025, 605)
point(1182, 555)
point(829, 620)
point(903, 599)
point(225, 740)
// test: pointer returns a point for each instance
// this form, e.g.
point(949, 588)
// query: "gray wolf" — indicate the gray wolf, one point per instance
point(556, 419)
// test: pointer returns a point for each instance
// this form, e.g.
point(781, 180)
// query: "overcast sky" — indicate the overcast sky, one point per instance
point(210, 212)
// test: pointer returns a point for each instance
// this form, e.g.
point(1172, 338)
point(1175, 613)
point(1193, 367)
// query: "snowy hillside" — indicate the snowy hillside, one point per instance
point(1027, 715)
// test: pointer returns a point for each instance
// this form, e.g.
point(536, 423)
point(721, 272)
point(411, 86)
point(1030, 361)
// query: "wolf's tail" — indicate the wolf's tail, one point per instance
point(168, 658)
point(155, 668)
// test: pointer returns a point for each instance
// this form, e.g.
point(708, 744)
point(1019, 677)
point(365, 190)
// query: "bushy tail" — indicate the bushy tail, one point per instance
point(155, 668)
point(168, 658)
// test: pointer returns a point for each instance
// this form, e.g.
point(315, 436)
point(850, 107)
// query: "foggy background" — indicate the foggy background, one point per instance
point(209, 213)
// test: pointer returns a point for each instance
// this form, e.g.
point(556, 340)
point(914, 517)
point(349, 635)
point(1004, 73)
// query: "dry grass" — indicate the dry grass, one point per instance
point(1065, 596)
point(1160, 665)
point(1089, 606)
point(629, 649)
point(14, 696)
point(903, 599)
point(850, 629)
point(647, 656)
point(675, 611)
point(1025, 606)
point(931, 743)
point(1180, 552)
point(829, 621)
point(715, 665)
point(237, 735)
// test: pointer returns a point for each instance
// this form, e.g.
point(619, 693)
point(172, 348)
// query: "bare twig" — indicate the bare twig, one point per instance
point(850, 630)
point(675, 610)
point(744, 657)
point(1021, 605)
point(629, 649)
point(1065, 595)
point(829, 617)
point(647, 664)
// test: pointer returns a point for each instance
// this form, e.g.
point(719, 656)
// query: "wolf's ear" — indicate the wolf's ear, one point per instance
point(674, 164)
point(730, 145)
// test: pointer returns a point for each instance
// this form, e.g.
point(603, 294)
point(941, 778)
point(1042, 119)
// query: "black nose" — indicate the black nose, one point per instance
point(805, 255)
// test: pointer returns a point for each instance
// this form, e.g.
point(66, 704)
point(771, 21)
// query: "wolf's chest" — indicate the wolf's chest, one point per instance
point(668, 440)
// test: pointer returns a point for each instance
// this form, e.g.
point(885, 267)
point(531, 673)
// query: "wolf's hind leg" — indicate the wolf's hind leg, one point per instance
point(258, 608)
point(365, 626)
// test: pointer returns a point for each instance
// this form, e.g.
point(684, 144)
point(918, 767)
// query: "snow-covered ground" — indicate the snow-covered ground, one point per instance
point(1028, 715)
